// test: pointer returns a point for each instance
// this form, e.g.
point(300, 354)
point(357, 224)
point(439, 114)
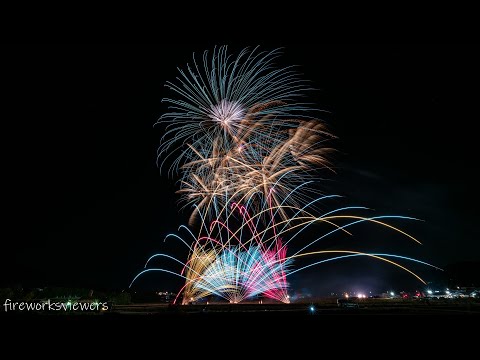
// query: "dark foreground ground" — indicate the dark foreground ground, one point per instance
point(320, 308)
point(396, 323)
point(319, 323)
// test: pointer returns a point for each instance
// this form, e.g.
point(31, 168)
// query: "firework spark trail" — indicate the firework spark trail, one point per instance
point(226, 98)
point(248, 154)
point(243, 127)
point(273, 176)
point(238, 267)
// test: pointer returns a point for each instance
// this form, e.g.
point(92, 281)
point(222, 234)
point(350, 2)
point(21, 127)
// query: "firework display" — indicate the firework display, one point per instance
point(248, 155)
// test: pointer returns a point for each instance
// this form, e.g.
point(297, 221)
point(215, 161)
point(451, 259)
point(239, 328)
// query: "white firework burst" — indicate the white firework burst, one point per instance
point(226, 98)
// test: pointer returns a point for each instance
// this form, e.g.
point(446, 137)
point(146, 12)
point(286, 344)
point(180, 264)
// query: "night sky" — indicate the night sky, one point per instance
point(86, 204)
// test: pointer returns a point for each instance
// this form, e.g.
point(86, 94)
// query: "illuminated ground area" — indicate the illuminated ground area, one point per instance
point(315, 308)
